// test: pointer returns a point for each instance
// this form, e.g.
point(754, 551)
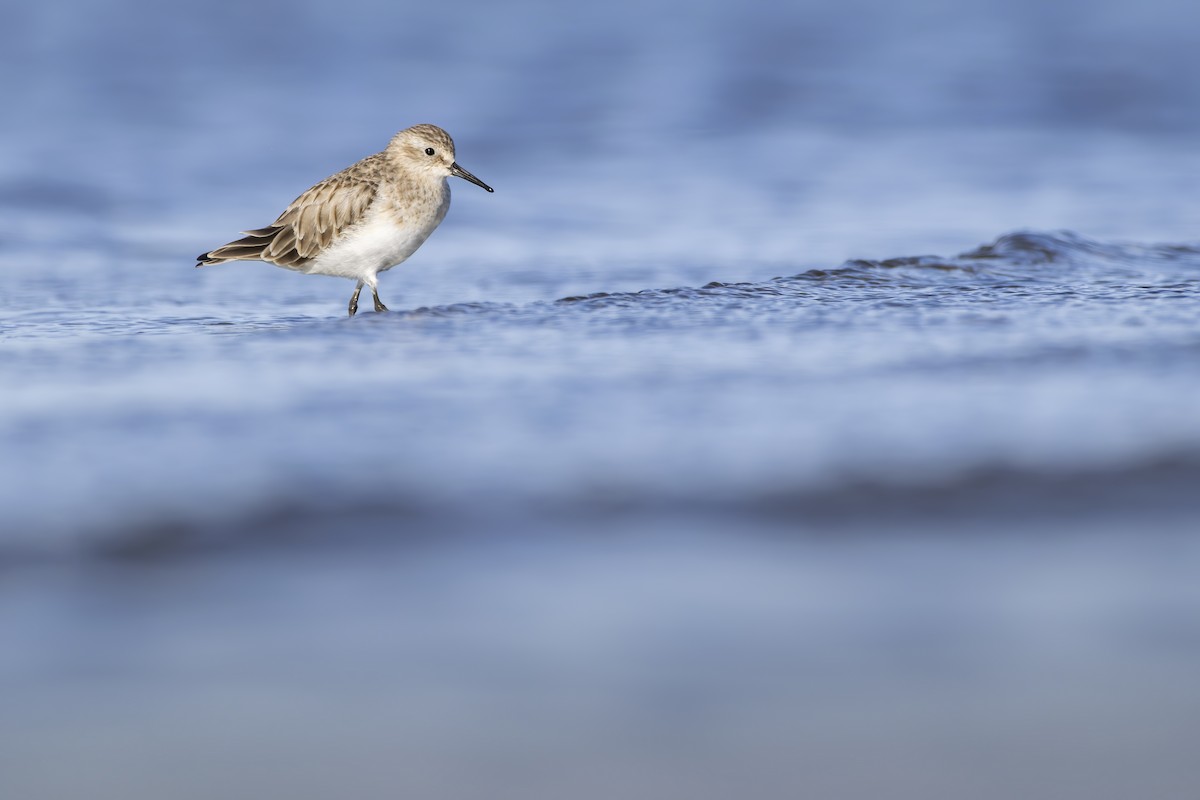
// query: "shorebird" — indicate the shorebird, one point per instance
point(364, 220)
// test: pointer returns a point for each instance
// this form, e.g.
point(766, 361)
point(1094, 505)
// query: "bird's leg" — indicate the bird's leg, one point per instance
point(354, 299)
point(379, 306)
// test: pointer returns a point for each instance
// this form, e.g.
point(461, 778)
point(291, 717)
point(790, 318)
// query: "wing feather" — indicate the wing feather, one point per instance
point(312, 221)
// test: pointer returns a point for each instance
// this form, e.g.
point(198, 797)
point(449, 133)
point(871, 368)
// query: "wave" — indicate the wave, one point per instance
point(996, 499)
point(1023, 256)
point(900, 402)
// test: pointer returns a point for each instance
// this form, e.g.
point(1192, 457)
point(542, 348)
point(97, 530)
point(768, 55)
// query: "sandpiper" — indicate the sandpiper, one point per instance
point(364, 220)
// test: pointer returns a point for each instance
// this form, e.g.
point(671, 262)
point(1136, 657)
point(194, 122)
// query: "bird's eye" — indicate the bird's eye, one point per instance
point(428, 151)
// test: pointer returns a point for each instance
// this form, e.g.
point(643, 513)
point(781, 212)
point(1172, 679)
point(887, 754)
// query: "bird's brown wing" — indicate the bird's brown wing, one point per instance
point(310, 223)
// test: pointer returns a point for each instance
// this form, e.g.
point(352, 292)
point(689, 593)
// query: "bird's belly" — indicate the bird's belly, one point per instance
point(369, 248)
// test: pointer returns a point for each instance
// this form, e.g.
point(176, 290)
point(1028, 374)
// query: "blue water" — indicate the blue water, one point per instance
point(820, 388)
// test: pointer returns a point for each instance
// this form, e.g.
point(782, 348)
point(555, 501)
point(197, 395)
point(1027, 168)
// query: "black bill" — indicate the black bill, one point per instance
point(455, 169)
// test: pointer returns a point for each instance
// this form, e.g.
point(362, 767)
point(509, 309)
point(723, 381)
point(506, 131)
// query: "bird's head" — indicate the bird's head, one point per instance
point(428, 148)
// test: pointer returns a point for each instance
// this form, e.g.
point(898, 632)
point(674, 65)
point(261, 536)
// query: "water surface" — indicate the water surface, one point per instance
point(818, 390)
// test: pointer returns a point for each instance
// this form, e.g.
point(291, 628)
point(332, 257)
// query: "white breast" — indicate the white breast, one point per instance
point(384, 239)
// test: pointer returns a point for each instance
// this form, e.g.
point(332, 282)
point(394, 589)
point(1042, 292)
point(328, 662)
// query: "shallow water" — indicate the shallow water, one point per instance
point(818, 390)
point(1040, 360)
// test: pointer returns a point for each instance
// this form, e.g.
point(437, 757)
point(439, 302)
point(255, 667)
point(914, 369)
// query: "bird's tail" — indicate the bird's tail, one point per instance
point(250, 247)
